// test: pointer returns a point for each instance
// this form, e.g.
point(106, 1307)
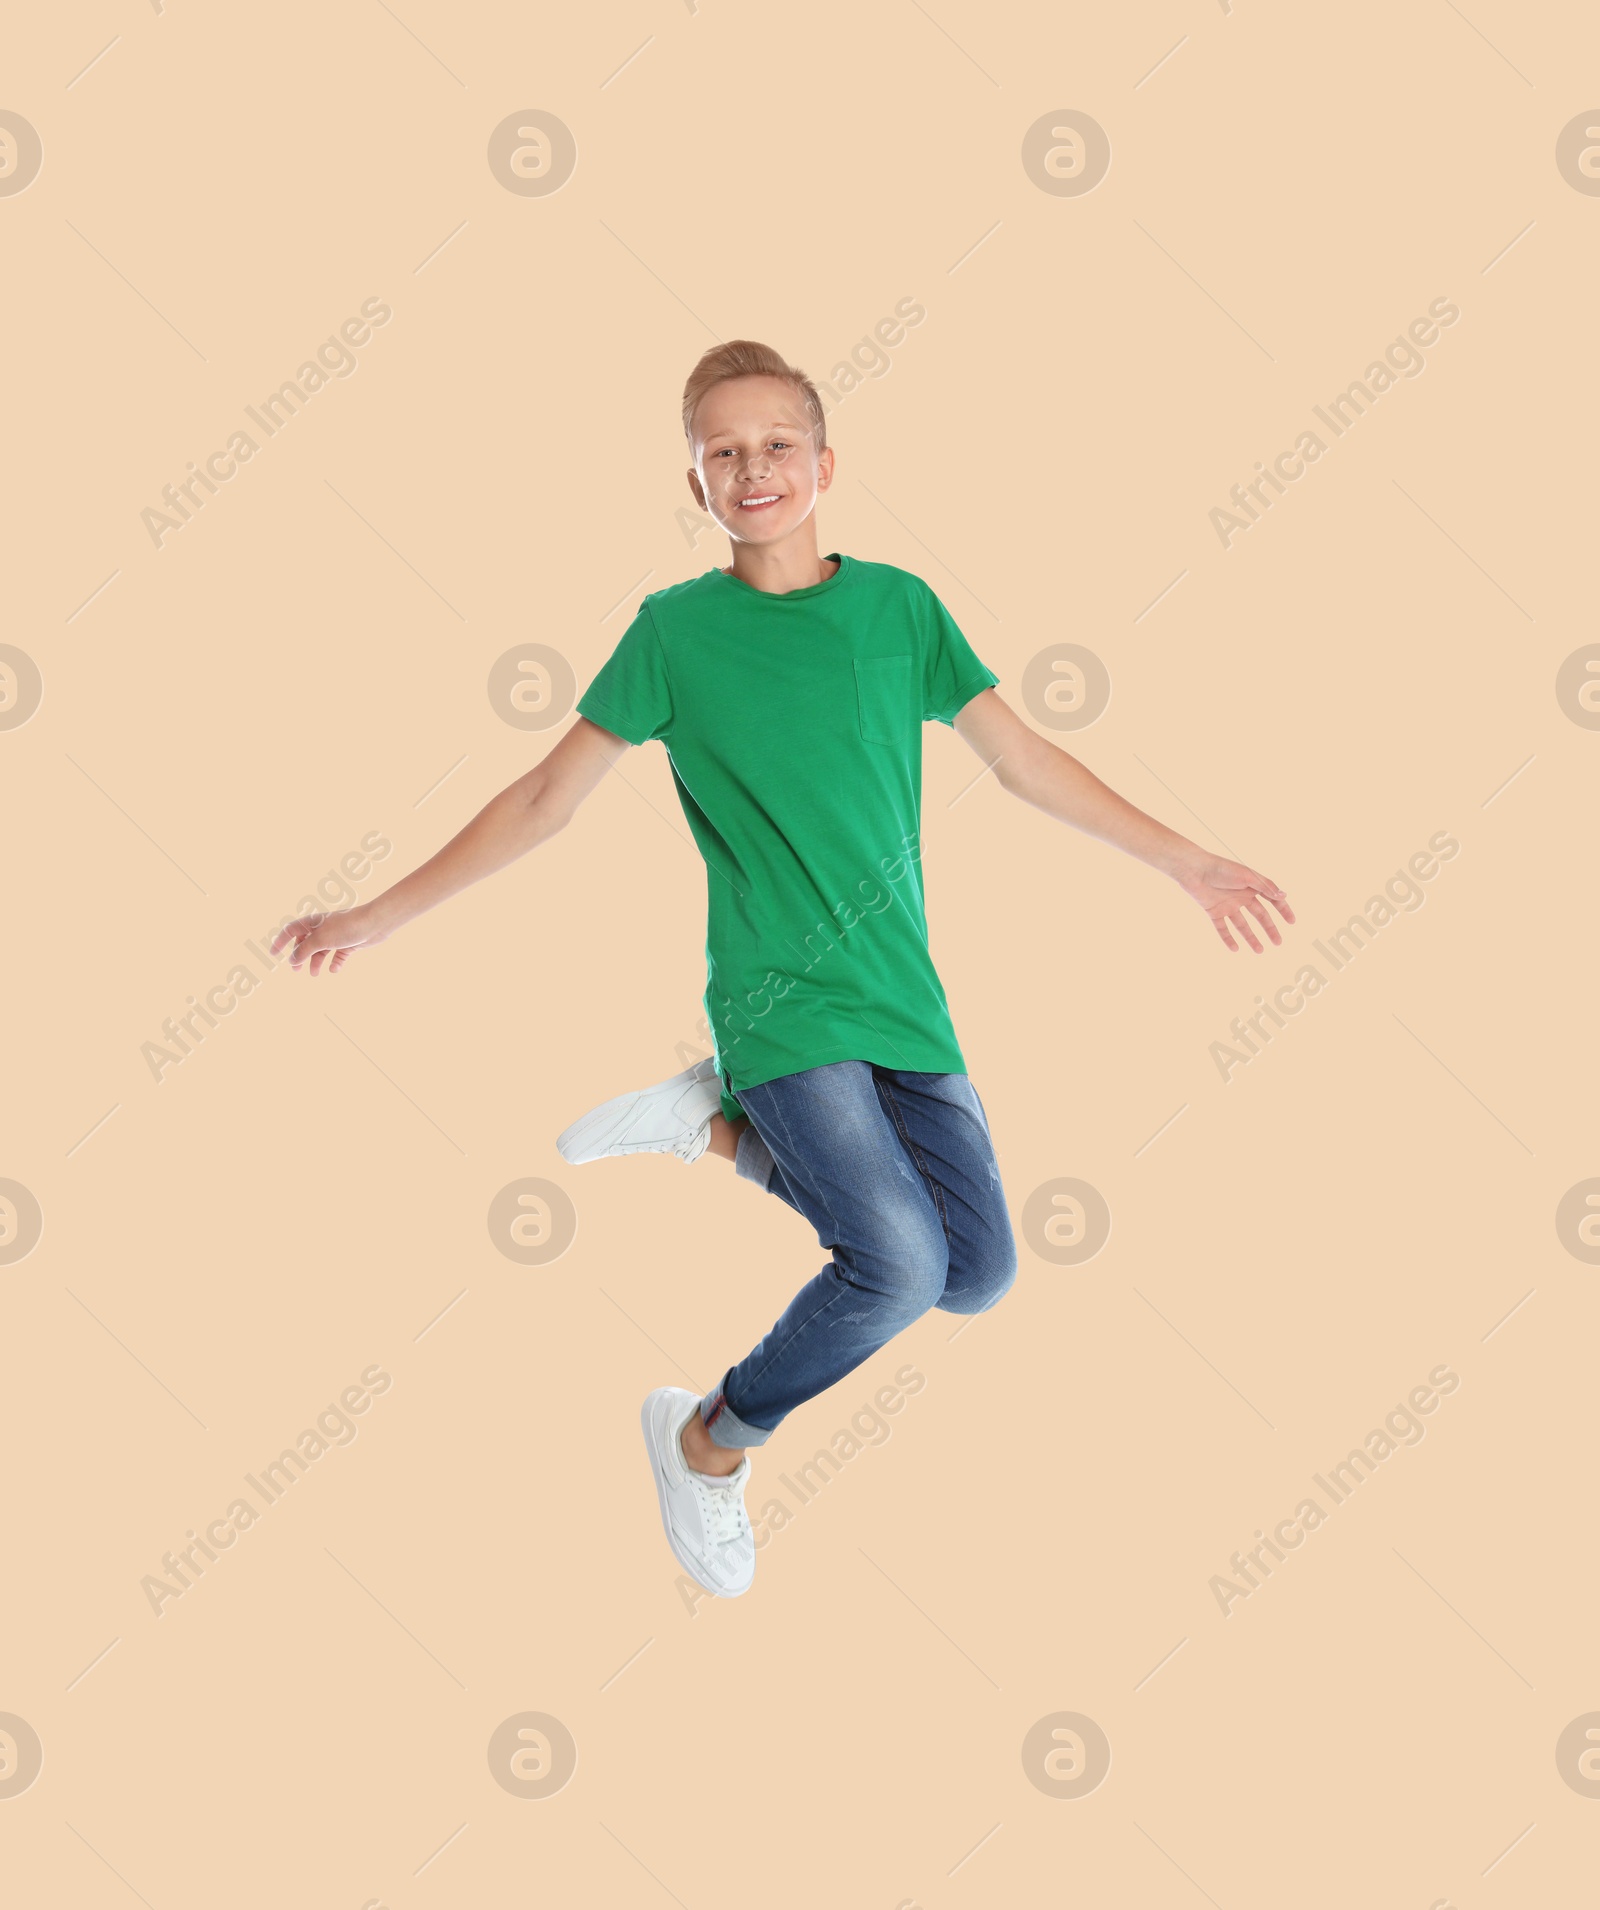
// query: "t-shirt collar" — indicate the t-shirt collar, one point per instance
point(790, 596)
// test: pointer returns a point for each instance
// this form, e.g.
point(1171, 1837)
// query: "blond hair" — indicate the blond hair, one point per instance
point(745, 358)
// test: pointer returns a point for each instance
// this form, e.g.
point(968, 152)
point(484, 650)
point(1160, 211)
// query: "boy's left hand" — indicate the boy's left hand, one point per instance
point(1226, 890)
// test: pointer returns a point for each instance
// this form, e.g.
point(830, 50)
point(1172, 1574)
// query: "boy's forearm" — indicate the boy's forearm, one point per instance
point(1062, 787)
point(521, 817)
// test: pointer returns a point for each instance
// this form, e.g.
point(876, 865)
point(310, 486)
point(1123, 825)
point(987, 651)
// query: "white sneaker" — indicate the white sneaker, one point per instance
point(704, 1517)
point(673, 1117)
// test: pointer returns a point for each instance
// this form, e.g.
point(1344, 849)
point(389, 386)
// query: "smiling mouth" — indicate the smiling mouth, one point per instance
point(758, 503)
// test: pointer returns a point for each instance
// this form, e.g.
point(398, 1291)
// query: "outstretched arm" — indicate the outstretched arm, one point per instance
point(1028, 765)
point(524, 814)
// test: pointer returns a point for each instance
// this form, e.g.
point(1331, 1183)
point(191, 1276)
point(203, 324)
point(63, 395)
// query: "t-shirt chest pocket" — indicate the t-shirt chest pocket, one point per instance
point(883, 698)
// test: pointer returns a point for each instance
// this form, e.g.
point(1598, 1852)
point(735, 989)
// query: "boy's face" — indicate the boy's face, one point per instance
point(752, 440)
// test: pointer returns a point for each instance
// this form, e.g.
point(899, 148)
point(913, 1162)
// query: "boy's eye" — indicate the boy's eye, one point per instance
point(727, 450)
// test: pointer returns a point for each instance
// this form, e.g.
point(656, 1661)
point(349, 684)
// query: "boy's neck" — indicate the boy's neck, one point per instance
point(792, 564)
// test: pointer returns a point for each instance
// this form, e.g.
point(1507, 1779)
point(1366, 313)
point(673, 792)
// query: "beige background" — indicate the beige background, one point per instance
point(304, 1196)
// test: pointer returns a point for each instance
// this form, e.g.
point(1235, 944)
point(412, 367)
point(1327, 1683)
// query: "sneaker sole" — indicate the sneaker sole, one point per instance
point(680, 1551)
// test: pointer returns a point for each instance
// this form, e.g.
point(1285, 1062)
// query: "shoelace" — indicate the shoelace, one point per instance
point(723, 1508)
point(693, 1143)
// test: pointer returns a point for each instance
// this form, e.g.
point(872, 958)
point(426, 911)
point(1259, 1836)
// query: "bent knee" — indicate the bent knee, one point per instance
point(984, 1286)
point(908, 1275)
point(922, 1284)
point(916, 1280)
point(1003, 1280)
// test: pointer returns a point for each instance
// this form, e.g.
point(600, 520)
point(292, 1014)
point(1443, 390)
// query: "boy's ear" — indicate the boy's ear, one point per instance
point(825, 467)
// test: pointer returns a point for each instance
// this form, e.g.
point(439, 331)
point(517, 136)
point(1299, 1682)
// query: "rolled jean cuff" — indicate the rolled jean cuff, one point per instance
point(724, 1425)
point(752, 1159)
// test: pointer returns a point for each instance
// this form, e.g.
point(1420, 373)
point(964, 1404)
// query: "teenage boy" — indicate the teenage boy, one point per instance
point(789, 690)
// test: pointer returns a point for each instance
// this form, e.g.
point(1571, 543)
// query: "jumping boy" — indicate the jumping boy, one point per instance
point(790, 690)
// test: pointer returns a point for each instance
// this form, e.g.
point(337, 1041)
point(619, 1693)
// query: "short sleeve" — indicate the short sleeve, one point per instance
point(952, 673)
point(632, 694)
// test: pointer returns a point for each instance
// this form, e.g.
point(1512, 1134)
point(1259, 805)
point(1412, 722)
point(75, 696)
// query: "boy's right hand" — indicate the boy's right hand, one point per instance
point(316, 937)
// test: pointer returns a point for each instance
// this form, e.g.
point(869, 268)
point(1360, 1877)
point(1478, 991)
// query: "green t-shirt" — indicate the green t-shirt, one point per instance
point(793, 724)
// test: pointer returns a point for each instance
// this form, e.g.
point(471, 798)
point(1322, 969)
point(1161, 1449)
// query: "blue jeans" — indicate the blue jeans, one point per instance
point(896, 1171)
